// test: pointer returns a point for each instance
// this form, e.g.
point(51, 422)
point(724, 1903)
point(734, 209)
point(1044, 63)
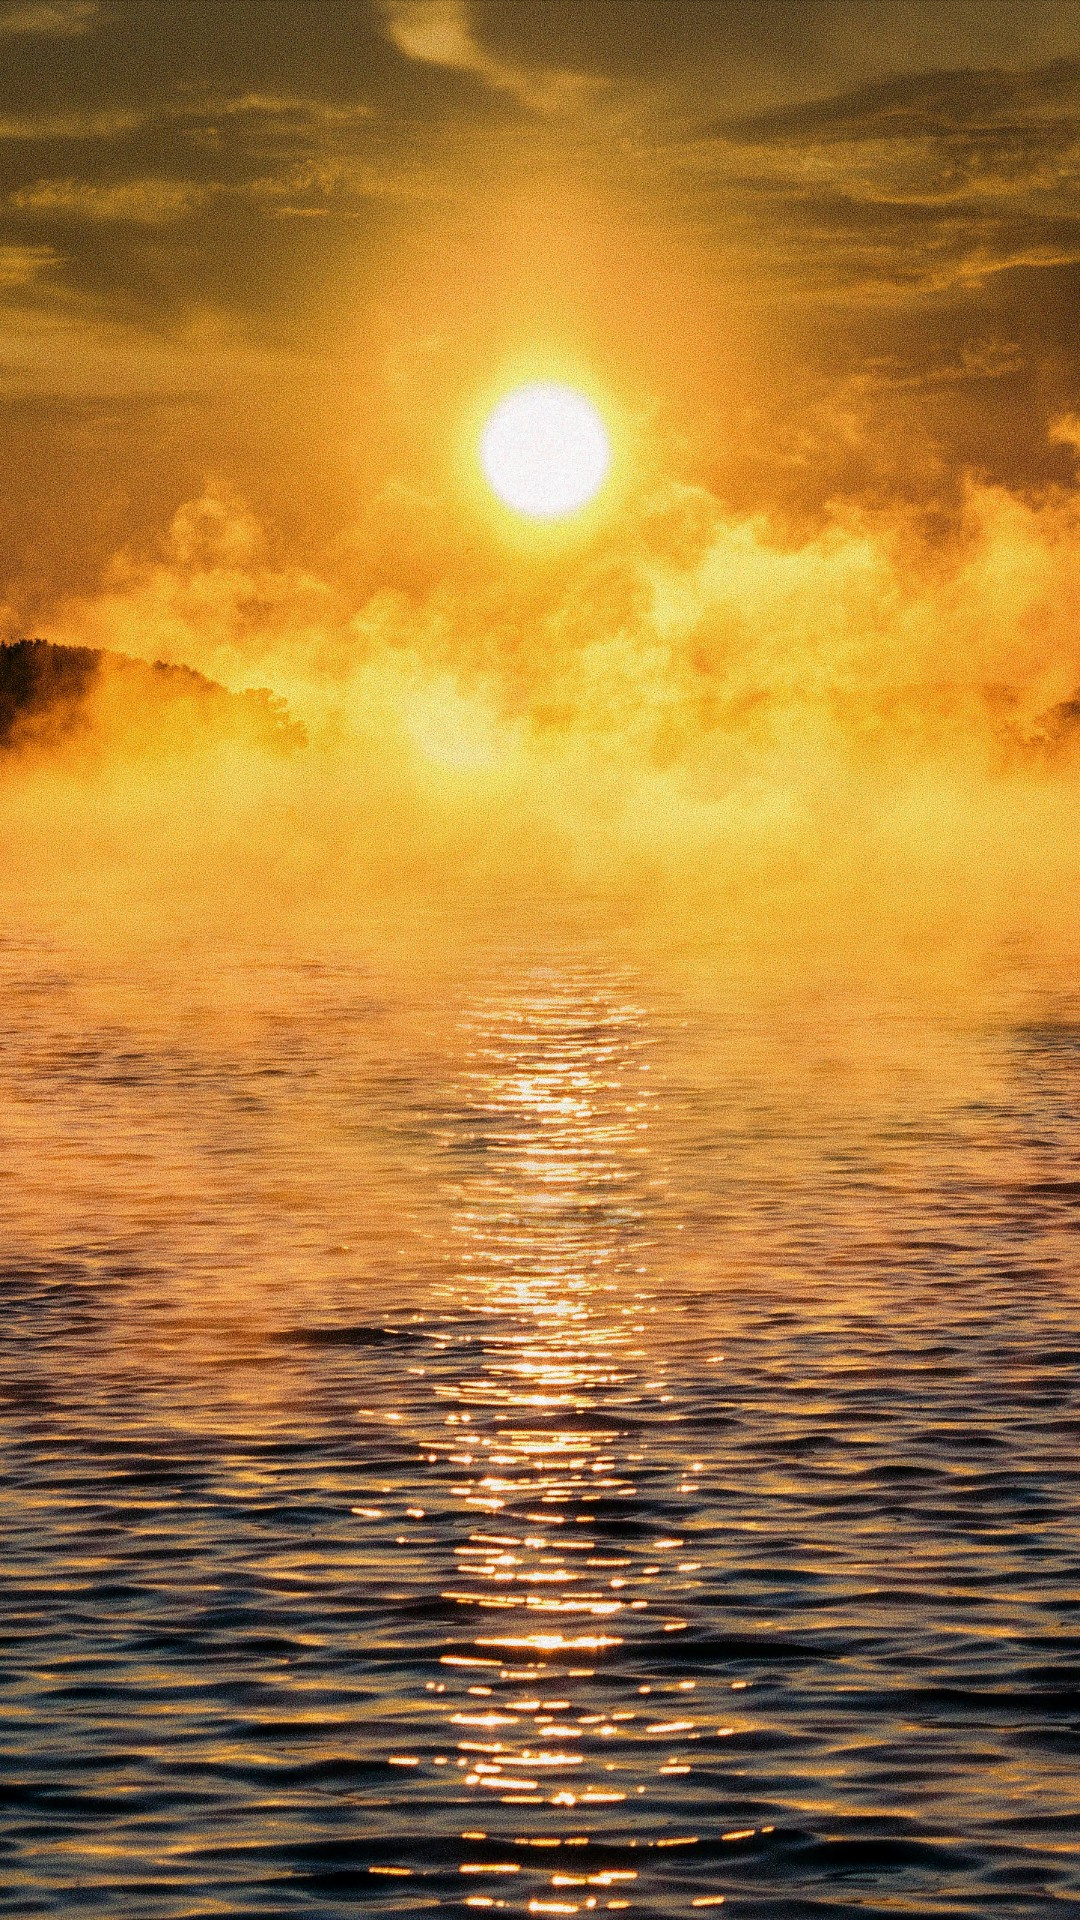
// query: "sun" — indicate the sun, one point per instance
point(545, 451)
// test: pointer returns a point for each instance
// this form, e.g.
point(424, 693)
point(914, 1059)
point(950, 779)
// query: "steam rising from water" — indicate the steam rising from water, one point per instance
point(861, 726)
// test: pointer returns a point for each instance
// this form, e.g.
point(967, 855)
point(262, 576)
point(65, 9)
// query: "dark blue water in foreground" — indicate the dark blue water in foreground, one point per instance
point(545, 1444)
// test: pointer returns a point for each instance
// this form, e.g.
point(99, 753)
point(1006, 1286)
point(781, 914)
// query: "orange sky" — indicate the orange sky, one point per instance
point(818, 646)
point(825, 249)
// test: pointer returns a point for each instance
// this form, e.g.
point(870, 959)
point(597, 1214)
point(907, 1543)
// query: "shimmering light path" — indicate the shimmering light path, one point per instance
point(556, 1456)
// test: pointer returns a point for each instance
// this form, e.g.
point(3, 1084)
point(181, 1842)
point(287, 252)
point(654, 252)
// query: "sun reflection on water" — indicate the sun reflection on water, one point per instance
point(551, 1208)
point(566, 1457)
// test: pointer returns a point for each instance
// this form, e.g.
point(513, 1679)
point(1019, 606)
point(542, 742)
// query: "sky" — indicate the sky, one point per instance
point(266, 264)
point(819, 249)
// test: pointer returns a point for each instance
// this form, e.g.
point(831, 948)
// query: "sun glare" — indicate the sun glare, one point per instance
point(545, 451)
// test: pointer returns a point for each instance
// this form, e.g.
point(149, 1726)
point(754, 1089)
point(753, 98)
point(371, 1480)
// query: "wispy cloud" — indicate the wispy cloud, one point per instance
point(439, 33)
point(145, 203)
point(21, 266)
point(300, 109)
point(309, 188)
point(108, 124)
point(53, 19)
point(313, 188)
point(924, 181)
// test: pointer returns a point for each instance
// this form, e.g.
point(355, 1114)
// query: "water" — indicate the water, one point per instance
point(542, 1439)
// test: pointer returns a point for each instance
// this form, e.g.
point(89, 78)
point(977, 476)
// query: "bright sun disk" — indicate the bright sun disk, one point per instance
point(545, 451)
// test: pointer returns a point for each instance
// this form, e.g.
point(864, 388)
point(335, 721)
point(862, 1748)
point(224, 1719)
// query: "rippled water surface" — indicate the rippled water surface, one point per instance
point(545, 1440)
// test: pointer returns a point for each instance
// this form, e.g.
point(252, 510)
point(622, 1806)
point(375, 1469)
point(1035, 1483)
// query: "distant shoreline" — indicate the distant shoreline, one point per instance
point(53, 696)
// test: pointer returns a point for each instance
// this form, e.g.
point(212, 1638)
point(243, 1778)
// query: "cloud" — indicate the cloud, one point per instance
point(312, 188)
point(298, 109)
point(145, 203)
point(22, 266)
point(53, 19)
point(923, 181)
point(1065, 431)
point(439, 33)
point(106, 124)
